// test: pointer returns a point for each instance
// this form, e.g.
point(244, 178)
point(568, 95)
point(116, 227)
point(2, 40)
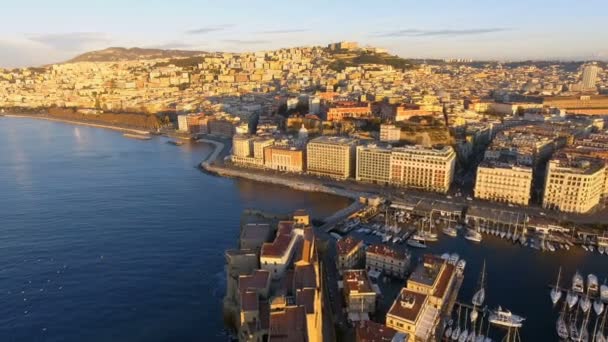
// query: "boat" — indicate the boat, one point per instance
point(454, 259)
point(592, 285)
point(591, 248)
point(503, 234)
point(471, 337)
point(480, 295)
point(601, 249)
point(578, 283)
point(584, 303)
point(598, 306)
point(562, 328)
point(505, 318)
point(571, 299)
point(465, 332)
point(449, 231)
point(556, 293)
point(585, 248)
point(474, 315)
point(416, 243)
point(386, 238)
point(456, 330)
point(599, 337)
point(175, 142)
point(419, 236)
point(473, 235)
point(522, 239)
point(550, 246)
point(445, 256)
point(460, 265)
point(448, 333)
point(604, 293)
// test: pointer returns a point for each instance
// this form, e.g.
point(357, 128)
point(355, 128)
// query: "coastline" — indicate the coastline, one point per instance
point(80, 123)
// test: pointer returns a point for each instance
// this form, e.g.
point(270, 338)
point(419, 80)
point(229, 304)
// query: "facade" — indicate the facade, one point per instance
point(573, 185)
point(590, 76)
point(370, 331)
point(373, 164)
point(504, 183)
point(331, 156)
point(259, 144)
point(435, 278)
point(390, 133)
point(351, 252)
point(342, 110)
point(358, 293)
point(385, 259)
point(242, 146)
point(275, 256)
point(281, 158)
point(423, 168)
point(412, 314)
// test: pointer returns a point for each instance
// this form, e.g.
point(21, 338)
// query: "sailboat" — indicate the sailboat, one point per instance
point(556, 293)
point(578, 284)
point(456, 331)
point(598, 306)
point(585, 303)
point(480, 295)
point(505, 318)
point(562, 328)
point(450, 231)
point(448, 331)
point(509, 233)
point(474, 315)
point(571, 299)
point(465, 332)
point(473, 235)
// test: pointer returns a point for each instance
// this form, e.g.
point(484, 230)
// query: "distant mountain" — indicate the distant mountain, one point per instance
point(113, 54)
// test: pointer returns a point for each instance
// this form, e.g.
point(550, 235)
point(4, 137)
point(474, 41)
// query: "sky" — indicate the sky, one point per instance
point(38, 32)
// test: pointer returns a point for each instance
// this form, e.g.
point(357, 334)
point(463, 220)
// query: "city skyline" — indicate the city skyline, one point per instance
point(437, 29)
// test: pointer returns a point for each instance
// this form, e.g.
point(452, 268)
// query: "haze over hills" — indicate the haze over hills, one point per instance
point(113, 54)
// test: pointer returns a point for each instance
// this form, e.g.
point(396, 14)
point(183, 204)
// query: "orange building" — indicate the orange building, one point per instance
point(348, 109)
point(282, 158)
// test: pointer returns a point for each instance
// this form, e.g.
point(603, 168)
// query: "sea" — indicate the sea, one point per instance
point(106, 238)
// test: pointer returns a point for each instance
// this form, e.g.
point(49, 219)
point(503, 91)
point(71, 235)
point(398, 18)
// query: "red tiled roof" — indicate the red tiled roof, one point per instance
point(305, 276)
point(306, 298)
point(444, 280)
point(369, 331)
point(346, 245)
point(249, 301)
point(356, 280)
point(387, 251)
point(288, 325)
point(277, 248)
point(257, 280)
point(404, 312)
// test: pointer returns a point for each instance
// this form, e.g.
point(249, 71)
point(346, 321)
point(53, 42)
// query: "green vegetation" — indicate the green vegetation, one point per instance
point(188, 62)
point(343, 60)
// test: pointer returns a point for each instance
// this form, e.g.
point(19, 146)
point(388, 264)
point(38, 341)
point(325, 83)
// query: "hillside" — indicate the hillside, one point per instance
point(113, 54)
point(345, 58)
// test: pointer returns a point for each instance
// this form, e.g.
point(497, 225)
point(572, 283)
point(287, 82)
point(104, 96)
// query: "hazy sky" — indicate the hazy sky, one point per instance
point(46, 31)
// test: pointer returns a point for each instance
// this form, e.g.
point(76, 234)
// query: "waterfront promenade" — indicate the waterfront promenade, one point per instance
point(79, 123)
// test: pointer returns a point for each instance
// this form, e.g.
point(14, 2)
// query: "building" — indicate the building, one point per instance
point(275, 256)
point(502, 182)
point(314, 105)
point(331, 156)
point(435, 278)
point(590, 72)
point(573, 185)
point(351, 252)
point(390, 133)
point(423, 168)
point(259, 143)
point(385, 259)
point(242, 146)
point(373, 164)
point(243, 151)
point(359, 297)
point(221, 127)
point(412, 314)
point(339, 111)
point(370, 331)
point(280, 158)
point(192, 123)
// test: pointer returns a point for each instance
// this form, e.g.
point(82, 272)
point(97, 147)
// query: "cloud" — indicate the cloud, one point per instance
point(70, 41)
point(246, 42)
point(209, 29)
point(283, 31)
point(445, 32)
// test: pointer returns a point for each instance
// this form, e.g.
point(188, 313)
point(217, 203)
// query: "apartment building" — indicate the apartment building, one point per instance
point(501, 182)
point(281, 158)
point(390, 133)
point(331, 156)
point(373, 164)
point(435, 278)
point(411, 313)
point(339, 111)
point(242, 146)
point(423, 168)
point(351, 252)
point(385, 259)
point(573, 184)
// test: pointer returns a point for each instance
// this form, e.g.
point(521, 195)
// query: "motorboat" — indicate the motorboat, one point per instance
point(473, 235)
point(592, 284)
point(416, 243)
point(449, 231)
point(460, 265)
point(571, 299)
point(578, 283)
point(454, 259)
point(445, 256)
point(505, 318)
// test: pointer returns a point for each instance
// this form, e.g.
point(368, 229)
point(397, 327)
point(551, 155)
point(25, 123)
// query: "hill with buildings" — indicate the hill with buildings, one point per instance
point(114, 54)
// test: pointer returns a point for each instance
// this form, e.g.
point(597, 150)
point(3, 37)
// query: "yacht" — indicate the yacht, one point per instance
point(474, 314)
point(592, 285)
point(571, 299)
point(584, 303)
point(562, 328)
point(550, 246)
point(473, 235)
point(449, 231)
point(416, 243)
point(556, 293)
point(598, 306)
point(461, 265)
point(454, 259)
point(522, 239)
point(503, 234)
point(578, 283)
point(505, 318)
point(601, 249)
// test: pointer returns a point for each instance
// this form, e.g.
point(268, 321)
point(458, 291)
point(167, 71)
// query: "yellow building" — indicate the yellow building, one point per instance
point(423, 168)
point(281, 158)
point(359, 296)
point(331, 156)
point(573, 185)
point(242, 146)
point(350, 252)
point(435, 278)
point(412, 314)
point(504, 183)
point(373, 164)
point(385, 259)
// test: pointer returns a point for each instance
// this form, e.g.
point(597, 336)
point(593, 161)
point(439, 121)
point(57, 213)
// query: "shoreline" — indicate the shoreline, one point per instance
point(79, 123)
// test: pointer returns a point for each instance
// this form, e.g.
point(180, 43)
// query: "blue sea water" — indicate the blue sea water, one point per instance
point(105, 238)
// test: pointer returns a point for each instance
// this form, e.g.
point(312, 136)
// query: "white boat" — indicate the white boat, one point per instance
point(522, 239)
point(449, 231)
point(419, 236)
point(571, 299)
point(505, 318)
point(461, 265)
point(562, 328)
point(386, 238)
point(456, 333)
point(584, 304)
point(480, 338)
point(474, 314)
point(567, 246)
point(463, 336)
point(585, 248)
point(487, 339)
point(473, 235)
point(592, 284)
point(445, 256)
point(448, 333)
point(598, 306)
point(601, 249)
point(591, 248)
point(556, 293)
point(599, 337)
point(503, 234)
point(471, 337)
point(454, 259)
point(578, 283)
point(509, 235)
point(550, 246)
point(479, 297)
point(604, 293)
point(416, 243)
